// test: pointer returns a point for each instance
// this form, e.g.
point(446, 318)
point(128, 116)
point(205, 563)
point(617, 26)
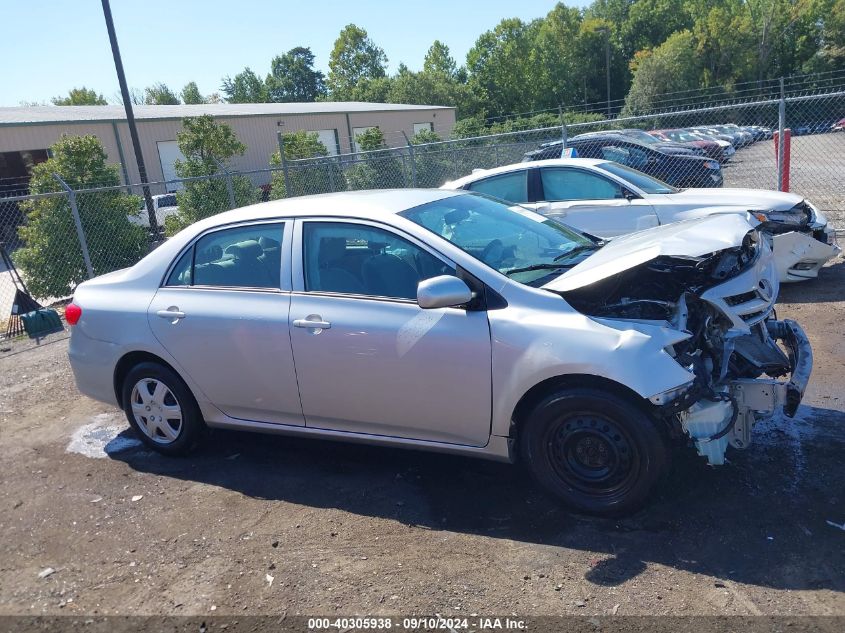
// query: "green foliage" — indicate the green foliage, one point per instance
point(314, 177)
point(80, 96)
point(208, 147)
point(354, 58)
point(191, 94)
point(293, 78)
point(672, 67)
point(51, 259)
point(160, 94)
point(378, 168)
point(245, 87)
point(434, 165)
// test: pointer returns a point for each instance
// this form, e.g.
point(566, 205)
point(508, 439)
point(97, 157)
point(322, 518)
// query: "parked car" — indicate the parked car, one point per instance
point(165, 204)
point(608, 199)
point(713, 149)
point(711, 132)
point(728, 150)
point(680, 171)
point(447, 321)
point(839, 126)
point(746, 137)
point(667, 147)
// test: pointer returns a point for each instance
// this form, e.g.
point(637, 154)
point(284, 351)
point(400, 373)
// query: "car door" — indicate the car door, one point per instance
point(222, 314)
point(592, 202)
point(368, 358)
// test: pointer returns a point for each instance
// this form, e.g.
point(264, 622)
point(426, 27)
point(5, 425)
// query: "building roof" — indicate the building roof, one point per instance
point(66, 114)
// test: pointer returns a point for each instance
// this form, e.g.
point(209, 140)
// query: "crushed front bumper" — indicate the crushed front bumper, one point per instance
point(715, 424)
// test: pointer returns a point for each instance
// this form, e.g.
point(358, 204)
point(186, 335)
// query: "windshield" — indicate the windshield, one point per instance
point(643, 137)
point(519, 243)
point(638, 178)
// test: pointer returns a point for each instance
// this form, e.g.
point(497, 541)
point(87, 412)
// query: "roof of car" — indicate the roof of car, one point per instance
point(484, 173)
point(360, 204)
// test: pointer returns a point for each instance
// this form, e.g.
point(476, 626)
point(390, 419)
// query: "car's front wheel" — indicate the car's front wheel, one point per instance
point(594, 450)
point(160, 407)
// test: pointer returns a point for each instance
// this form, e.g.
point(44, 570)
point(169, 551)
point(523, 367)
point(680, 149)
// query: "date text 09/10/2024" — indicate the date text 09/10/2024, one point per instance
point(417, 623)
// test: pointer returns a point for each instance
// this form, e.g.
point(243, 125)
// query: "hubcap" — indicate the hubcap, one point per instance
point(156, 410)
point(593, 454)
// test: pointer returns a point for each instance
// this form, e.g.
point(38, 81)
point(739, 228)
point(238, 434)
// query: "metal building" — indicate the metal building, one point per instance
point(27, 132)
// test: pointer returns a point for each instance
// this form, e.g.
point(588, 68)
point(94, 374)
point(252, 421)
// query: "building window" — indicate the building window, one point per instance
point(419, 127)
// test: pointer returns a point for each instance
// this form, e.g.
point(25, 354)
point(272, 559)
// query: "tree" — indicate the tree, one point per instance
point(354, 58)
point(191, 94)
point(378, 168)
point(245, 87)
point(500, 67)
point(51, 260)
point(80, 96)
point(438, 60)
point(160, 94)
point(316, 177)
point(433, 162)
point(293, 78)
point(208, 148)
point(671, 67)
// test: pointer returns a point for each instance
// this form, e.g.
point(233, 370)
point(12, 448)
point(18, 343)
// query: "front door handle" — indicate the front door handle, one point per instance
point(312, 322)
point(172, 314)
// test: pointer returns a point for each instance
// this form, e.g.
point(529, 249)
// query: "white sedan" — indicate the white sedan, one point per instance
point(608, 199)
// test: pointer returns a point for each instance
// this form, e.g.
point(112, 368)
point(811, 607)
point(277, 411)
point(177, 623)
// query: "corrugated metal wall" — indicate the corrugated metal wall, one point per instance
point(258, 133)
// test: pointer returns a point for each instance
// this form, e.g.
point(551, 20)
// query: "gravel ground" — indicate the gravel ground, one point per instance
point(272, 525)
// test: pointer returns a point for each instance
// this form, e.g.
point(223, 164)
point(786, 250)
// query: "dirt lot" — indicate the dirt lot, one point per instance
point(258, 524)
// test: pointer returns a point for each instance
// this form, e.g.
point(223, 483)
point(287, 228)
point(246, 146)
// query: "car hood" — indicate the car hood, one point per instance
point(690, 238)
point(750, 199)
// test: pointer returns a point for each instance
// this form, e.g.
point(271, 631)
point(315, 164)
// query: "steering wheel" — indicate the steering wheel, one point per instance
point(493, 252)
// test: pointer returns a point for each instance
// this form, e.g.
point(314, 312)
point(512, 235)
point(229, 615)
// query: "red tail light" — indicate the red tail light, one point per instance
point(73, 313)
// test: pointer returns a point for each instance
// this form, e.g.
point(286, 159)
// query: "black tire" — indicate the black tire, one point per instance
point(595, 451)
point(191, 425)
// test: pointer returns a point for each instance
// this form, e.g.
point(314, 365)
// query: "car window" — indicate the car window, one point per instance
point(241, 257)
point(617, 154)
point(364, 260)
point(512, 187)
point(576, 184)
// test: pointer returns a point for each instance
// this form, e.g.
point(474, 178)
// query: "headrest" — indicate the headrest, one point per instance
point(248, 249)
point(266, 243)
point(210, 254)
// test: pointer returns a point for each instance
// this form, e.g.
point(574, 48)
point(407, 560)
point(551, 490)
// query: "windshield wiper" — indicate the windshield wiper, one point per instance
point(546, 266)
point(578, 249)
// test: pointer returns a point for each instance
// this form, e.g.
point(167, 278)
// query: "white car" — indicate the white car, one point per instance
point(607, 199)
point(164, 204)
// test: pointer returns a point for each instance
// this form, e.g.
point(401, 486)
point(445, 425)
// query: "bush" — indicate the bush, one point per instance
point(318, 176)
point(208, 147)
point(51, 260)
point(378, 168)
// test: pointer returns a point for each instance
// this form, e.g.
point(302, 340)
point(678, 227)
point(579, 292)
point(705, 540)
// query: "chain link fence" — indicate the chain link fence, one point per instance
point(58, 239)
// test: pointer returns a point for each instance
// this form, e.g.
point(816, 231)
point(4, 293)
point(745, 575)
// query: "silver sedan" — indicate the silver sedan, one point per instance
point(447, 321)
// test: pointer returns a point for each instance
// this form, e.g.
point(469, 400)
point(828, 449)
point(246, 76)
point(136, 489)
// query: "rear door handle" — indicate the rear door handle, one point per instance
point(172, 314)
point(312, 325)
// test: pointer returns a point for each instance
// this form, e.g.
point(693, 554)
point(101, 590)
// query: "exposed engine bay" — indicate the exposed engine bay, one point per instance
point(736, 349)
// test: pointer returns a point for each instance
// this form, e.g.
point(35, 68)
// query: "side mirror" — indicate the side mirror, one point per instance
point(444, 291)
point(628, 194)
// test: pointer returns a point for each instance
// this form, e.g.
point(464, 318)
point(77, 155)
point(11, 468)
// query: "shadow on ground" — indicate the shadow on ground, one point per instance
point(760, 520)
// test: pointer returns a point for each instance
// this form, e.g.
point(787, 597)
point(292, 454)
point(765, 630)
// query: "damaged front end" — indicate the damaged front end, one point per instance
point(746, 364)
point(802, 241)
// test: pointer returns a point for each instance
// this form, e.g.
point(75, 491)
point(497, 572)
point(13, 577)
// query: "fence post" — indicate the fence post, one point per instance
point(285, 174)
point(71, 194)
point(781, 127)
point(413, 161)
point(562, 130)
point(229, 188)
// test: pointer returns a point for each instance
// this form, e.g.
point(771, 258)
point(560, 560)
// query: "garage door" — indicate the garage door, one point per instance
point(168, 154)
point(329, 139)
point(419, 127)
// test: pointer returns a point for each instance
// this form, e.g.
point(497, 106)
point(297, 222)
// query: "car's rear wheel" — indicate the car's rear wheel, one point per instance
point(594, 450)
point(160, 407)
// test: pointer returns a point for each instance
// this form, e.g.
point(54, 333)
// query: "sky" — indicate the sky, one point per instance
point(50, 46)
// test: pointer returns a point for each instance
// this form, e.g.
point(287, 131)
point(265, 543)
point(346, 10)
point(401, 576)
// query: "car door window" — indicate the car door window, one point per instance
point(576, 184)
point(512, 187)
point(364, 260)
point(637, 158)
point(240, 257)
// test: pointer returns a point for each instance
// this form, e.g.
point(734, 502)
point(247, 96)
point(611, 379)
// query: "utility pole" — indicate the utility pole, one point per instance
point(130, 120)
point(607, 64)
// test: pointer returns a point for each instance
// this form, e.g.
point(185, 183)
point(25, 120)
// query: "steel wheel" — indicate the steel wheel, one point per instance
point(156, 410)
